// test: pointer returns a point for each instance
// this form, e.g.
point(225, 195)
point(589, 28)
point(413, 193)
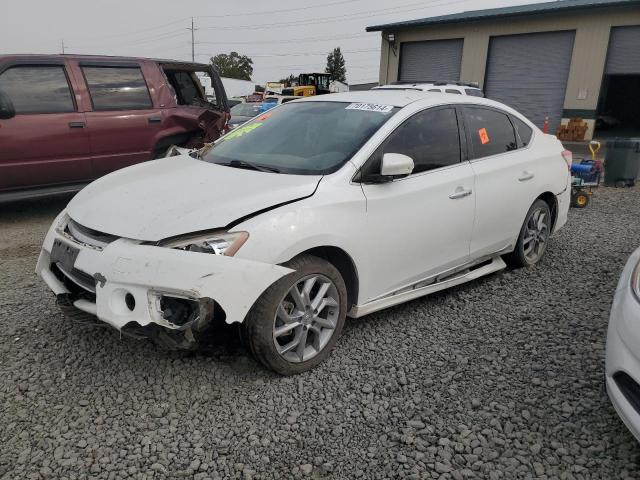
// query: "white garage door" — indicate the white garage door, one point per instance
point(430, 60)
point(623, 57)
point(529, 73)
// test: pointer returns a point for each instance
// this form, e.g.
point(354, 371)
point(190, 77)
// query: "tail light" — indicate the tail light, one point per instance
point(568, 157)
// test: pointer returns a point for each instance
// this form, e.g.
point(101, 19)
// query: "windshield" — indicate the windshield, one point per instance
point(245, 109)
point(307, 138)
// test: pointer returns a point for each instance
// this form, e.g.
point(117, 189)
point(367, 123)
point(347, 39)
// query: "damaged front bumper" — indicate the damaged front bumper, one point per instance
point(127, 284)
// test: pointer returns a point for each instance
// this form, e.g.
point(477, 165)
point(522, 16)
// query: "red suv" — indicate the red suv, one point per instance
point(68, 119)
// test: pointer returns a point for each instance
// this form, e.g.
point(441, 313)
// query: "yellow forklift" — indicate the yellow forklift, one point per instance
point(309, 84)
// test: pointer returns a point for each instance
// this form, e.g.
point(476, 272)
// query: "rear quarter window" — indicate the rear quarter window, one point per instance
point(524, 131)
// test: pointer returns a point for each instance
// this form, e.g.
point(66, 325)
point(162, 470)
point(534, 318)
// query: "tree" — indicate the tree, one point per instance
point(290, 80)
point(233, 65)
point(335, 66)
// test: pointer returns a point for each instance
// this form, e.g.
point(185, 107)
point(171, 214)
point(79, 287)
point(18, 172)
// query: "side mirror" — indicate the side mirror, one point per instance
point(7, 110)
point(392, 166)
point(396, 165)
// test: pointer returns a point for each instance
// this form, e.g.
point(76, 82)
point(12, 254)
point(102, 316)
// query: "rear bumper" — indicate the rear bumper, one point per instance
point(125, 270)
point(563, 203)
point(623, 351)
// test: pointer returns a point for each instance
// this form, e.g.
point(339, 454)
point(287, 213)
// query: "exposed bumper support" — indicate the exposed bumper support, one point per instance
point(132, 278)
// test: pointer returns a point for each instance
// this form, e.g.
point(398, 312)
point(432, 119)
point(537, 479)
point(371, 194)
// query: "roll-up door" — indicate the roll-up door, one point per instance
point(430, 60)
point(623, 57)
point(529, 73)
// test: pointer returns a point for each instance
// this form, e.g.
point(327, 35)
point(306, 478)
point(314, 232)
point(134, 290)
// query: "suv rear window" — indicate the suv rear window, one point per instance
point(183, 83)
point(37, 89)
point(491, 132)
point(474, 92)
point(117, 88)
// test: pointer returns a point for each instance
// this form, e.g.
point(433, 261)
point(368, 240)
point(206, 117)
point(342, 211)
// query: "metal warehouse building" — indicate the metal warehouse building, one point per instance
point(562, 59)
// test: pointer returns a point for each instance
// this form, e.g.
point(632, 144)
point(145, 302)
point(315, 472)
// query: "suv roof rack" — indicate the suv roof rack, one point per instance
point(438, 82)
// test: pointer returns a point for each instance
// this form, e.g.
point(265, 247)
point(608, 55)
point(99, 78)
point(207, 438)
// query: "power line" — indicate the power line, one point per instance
point(286, 10)
point(302, 54)
point(289, 40)
point(352, 16)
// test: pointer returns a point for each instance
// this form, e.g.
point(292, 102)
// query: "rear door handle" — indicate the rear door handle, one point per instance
point(460, 193)
point(155, 120)
point(526, 176)
point(76, 125)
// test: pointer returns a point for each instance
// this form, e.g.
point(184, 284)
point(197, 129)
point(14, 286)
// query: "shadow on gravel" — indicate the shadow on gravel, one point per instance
point(46, 207)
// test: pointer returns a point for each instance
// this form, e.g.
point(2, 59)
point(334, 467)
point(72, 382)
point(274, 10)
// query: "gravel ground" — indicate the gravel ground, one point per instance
point(500, 378)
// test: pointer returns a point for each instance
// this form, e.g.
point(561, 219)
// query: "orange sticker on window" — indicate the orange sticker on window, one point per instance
point(484, 136)
point(264, 117)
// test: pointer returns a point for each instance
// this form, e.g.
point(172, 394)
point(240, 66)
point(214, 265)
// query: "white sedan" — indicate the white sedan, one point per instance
point(623, 347)
point(331, 206)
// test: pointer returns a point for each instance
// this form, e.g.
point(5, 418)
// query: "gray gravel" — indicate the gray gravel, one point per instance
point(499, 379)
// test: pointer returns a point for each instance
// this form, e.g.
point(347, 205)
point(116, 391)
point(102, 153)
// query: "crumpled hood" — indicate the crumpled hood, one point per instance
point(177, 195)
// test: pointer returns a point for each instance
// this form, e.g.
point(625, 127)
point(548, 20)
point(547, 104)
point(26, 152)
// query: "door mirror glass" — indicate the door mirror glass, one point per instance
point(7, 109)
point(396, 165)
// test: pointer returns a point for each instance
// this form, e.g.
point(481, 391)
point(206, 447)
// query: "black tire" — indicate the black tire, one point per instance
point(580, 200)
point(257, 330)
point(518, 258)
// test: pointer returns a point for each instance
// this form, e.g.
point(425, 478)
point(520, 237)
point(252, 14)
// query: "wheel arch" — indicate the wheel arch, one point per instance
point(551, 200)
point(345, 265)
point(162, 143)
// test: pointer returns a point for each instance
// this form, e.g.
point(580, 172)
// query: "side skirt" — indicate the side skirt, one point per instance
point(493, 265)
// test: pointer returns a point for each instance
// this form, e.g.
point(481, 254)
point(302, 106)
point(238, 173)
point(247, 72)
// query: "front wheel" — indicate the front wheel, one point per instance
point(295, 323)
point(533, 238)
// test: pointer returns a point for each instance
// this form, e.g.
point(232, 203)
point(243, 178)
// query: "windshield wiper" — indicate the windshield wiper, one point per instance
point(250, 166)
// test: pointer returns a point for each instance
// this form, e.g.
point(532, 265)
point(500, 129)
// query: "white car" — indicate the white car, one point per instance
point(623, 347)
point(329, 206)
point(456, 88)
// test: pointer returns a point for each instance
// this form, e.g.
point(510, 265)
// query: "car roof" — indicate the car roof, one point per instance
point(106, 58)
point(402, 98)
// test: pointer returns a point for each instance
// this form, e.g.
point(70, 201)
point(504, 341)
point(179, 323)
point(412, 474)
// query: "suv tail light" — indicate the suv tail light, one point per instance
point(568, 157)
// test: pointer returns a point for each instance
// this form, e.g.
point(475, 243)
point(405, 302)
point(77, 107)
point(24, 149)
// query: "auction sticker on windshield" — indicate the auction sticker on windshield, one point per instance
point(370, 107)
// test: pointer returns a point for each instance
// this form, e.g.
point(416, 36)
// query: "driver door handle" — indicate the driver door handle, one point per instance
point(526, 176)
point(460, 193)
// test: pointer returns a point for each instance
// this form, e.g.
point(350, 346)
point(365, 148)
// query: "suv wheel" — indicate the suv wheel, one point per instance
point(295, 323)
point(533, 238)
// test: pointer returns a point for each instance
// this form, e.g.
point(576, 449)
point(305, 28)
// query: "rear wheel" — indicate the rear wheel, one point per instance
point(295, 323)
point(533, 238)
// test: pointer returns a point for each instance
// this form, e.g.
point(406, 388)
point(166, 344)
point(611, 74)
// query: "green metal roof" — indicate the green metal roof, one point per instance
point(494, 13)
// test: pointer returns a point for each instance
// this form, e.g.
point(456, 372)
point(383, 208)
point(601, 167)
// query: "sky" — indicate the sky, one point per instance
point(281, 36)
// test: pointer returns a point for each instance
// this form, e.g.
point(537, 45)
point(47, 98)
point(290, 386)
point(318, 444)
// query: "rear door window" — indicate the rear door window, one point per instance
point(431, 138)
point(451, 90)
point(38, 89)
point(491, 132)
point(117, 88)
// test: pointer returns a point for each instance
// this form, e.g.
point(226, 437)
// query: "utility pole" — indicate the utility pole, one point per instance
point(62, 44)
point(193, 41)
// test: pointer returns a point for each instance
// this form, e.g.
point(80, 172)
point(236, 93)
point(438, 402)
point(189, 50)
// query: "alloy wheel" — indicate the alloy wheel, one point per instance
point(306, 318)
point(534, 242)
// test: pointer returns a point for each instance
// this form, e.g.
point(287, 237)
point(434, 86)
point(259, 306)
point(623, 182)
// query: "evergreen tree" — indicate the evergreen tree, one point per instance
point(335, 66)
